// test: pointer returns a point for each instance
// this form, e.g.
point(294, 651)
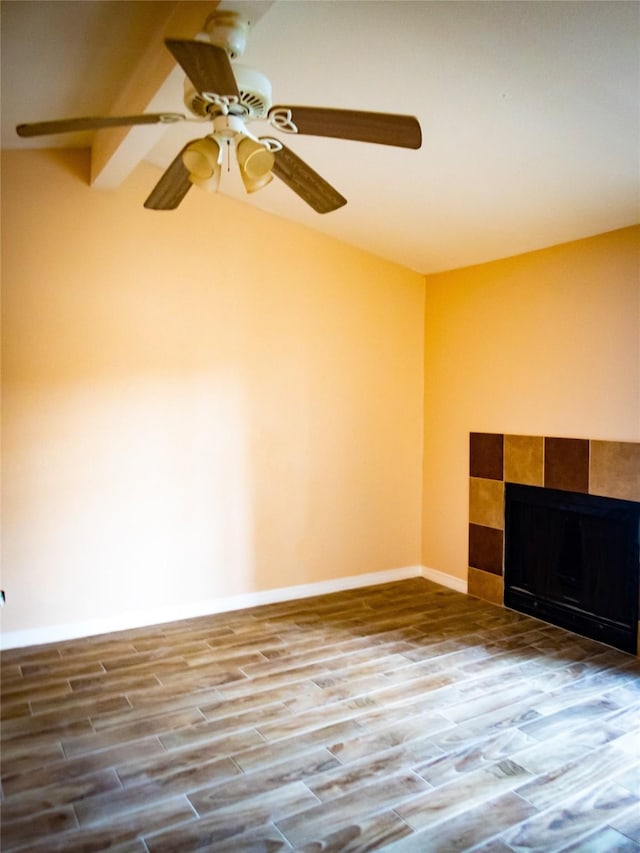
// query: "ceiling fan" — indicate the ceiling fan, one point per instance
point(230, 98)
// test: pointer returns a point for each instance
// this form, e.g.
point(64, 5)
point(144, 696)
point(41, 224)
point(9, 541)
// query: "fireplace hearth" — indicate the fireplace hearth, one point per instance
point(573, 559)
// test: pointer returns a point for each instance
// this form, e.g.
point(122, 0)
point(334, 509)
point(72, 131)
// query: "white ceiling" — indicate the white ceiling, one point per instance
point(530, 111)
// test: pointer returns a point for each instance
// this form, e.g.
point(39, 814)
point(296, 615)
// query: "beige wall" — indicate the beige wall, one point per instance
point(546, 343)
point(213, 402)
point(196, 404)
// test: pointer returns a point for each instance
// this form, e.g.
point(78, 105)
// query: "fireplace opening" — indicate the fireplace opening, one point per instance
point(573, 559)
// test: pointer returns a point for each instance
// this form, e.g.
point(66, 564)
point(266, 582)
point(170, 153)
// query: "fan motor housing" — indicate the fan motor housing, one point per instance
point(255, 96)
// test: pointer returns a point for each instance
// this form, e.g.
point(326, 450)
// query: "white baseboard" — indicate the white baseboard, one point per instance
point(459, 584)
point(140, 619)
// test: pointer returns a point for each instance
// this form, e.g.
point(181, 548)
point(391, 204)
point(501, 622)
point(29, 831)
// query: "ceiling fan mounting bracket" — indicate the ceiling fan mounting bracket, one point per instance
point(228, 29)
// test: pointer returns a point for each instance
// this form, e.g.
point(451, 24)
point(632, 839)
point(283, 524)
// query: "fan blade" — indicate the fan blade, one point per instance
point(206, 65)
point(172, 186)
point(382, 128)
point(307, 183)
point(70, 125)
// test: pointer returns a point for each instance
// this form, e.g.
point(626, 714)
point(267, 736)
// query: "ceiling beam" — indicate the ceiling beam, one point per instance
point(116, 152)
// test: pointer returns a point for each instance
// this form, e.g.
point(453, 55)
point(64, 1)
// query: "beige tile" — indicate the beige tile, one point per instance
point(335, 782)
point(231, 792)
point(523, 459)
point(615, 469)
point(303, 827)
point(209, 831)
point(486, 585)
point(556, 828)
point(469, 791)
point(486, 502)
point(468, 829)
point(118, 832)
point(372, 833)
point(546, 790)
point(94, 810)
point(27, 803)
point(30, 829)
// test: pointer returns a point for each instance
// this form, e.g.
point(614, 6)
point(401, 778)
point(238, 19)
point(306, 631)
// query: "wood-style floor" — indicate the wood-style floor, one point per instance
point(402, 717)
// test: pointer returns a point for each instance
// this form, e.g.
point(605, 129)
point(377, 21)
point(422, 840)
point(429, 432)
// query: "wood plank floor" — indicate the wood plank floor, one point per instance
point(401, 717)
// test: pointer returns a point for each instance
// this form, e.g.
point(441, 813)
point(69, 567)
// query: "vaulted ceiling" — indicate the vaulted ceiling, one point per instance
point(530, 111)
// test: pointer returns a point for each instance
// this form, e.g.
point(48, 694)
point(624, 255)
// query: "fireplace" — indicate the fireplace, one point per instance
point(573, 559)
point(581, 466)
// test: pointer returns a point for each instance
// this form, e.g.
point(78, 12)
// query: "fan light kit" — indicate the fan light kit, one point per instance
point(231, 97)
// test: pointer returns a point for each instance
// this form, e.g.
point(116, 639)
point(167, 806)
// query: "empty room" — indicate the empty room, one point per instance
point(320, 426)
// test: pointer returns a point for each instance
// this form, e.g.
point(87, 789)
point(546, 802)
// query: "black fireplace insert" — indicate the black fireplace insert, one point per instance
point(573, 560)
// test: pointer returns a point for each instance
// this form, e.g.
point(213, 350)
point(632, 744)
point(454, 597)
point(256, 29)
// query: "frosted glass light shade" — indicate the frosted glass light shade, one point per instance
point(251, 185)
point(209, 184)
point(255, 161)
point(201, 159)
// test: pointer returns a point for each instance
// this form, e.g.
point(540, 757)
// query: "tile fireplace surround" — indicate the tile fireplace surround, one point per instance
point(606, 468)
